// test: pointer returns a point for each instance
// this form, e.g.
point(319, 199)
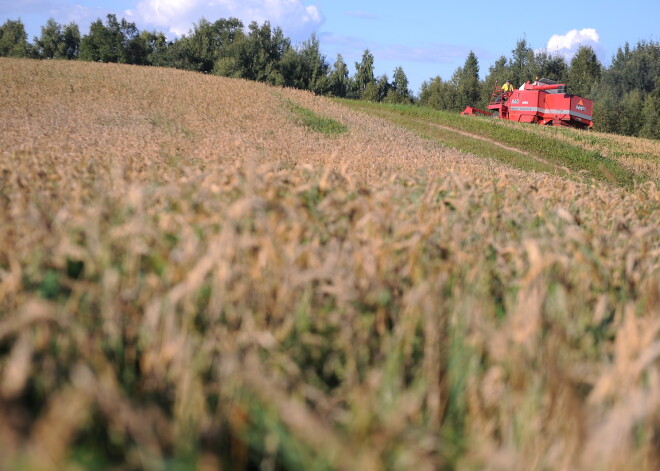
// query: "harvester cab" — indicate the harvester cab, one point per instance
point(498, 100)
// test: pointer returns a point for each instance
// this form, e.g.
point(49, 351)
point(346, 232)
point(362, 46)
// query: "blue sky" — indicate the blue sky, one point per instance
point(426, 38)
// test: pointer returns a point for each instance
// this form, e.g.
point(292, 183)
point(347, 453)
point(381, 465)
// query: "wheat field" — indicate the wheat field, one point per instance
point(190, 278)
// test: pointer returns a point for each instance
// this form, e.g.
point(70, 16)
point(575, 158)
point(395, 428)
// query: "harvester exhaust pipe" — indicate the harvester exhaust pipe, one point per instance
point(555, 86)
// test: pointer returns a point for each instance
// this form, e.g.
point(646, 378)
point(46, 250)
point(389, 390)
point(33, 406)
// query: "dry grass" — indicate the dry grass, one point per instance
point(189, 277)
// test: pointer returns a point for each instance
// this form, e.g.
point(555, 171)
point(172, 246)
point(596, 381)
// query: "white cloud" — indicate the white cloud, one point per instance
point(567, 44)
point(177, 16)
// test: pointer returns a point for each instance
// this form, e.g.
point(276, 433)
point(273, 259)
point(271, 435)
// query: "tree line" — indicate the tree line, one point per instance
point(626, 94)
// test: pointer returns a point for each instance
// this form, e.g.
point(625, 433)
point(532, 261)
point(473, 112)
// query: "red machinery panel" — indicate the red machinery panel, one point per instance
point(524, 106)
point(543, 102)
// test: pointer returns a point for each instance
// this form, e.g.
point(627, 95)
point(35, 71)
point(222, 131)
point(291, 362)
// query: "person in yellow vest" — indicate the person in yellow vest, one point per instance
point(507, 87)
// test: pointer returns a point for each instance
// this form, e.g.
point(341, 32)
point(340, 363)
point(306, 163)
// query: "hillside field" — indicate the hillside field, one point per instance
point(206, 273)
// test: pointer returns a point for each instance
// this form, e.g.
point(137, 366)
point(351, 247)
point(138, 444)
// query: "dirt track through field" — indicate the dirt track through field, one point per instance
point(500, 145)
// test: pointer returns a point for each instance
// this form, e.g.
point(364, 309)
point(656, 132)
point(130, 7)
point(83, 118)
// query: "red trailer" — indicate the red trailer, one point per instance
point(543, 101)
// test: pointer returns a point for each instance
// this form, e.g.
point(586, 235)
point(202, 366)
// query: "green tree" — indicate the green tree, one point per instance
point(383, 87)
point(645, 65)
point(116, 41)
point(267, 45)
point(136, 50)
point(179, 55)
point(631, 119)
point(549, 66)
point(399, 92)
point(364, 77)
point(257, 56)
point(584, 72)
point(201, 49)
point(103, 43)
point(522, 66)
point(370, 93)
point(468, 86)
point(316, 67)
point(305, 67)
point(438, 94)
point(607, 111)
point(157, 48)
point(71, 40)
point(625, 96)
point(13, 39)
point(651, 116)
point(50, 45)
point(338, 80)
point(637, 68)
point(134, 47)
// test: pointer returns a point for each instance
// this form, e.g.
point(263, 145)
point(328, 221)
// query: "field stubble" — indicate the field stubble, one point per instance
point(642, 156)
point(188, 276)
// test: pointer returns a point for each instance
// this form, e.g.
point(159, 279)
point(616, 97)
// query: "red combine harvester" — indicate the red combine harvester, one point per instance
point(543, 101)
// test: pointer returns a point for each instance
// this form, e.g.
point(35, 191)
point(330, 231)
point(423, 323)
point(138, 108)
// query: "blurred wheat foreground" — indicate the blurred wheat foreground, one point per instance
point(192, 277)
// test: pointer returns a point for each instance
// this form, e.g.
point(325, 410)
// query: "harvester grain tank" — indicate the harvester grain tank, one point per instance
point(543, 101)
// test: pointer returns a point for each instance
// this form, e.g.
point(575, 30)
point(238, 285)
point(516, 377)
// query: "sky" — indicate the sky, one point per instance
point(426, 38)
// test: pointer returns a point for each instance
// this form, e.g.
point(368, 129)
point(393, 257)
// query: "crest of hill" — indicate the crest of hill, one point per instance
point(146, 119)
